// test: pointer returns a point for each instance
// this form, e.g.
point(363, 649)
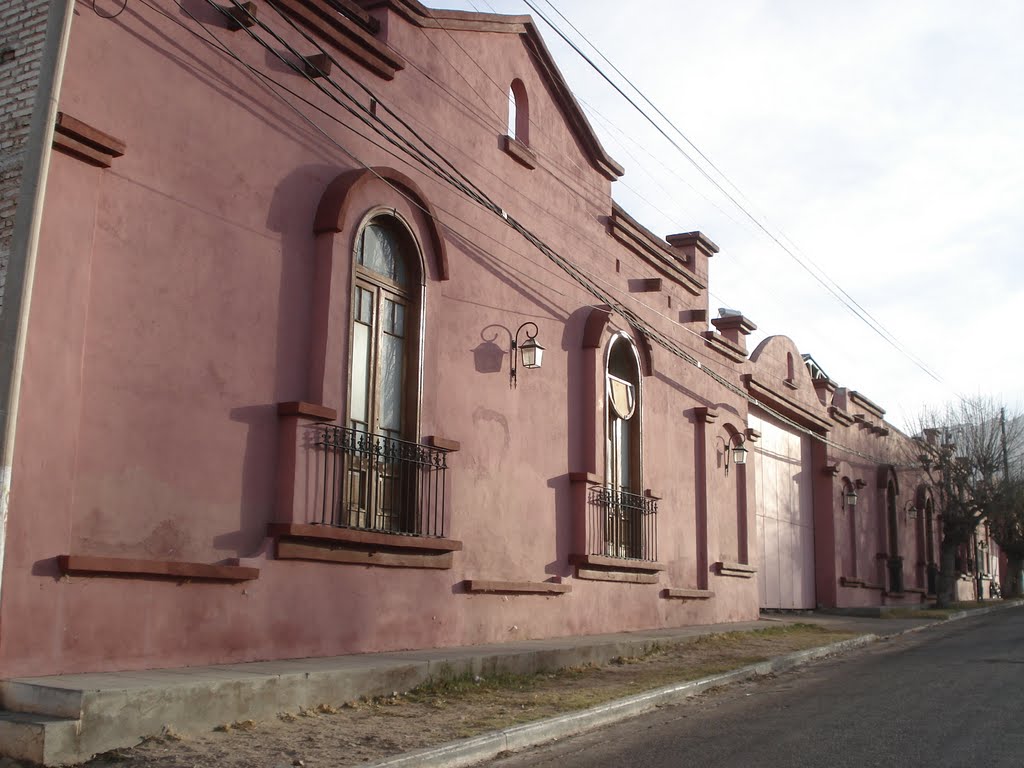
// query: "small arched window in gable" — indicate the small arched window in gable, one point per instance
point(518, 112)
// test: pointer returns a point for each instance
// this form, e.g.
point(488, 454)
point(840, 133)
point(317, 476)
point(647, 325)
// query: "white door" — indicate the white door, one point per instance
point(785, 515)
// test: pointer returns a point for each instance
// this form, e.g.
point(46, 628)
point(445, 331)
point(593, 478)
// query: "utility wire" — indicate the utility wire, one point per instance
point(584, 280)
point(819, 275)
point(632, 319)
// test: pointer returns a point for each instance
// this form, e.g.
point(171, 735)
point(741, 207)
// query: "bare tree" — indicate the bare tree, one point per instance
point(965, 450)
point(1007, 524)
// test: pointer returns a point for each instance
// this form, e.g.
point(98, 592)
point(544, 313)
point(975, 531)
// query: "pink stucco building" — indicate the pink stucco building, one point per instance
point(264, 330)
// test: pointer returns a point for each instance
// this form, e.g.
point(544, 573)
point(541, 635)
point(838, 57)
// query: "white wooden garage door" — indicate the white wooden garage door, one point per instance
point(785, 520)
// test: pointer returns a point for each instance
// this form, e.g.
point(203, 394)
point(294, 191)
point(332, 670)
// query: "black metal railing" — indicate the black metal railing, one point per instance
point(377, 483)
point(622, 524)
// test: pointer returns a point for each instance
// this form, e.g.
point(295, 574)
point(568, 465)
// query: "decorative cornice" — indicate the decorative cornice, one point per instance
point(698, 239)
point(840, 416)
point(724, 347)
point(346, 34)
point(706, 414)
point(867, 405)
point(81, 140)
point(739, 323)
point(644, 285)
point(652, 249)
point(791, 408)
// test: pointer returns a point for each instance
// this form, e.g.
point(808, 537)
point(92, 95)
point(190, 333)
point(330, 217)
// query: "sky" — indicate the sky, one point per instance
point(879, 142)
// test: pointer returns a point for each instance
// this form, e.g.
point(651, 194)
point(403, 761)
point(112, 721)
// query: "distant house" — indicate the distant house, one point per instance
point(273, 373)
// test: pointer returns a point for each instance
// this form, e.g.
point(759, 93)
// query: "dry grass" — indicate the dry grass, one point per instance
point(479, 705)
point(937, 613)
point(453, 707)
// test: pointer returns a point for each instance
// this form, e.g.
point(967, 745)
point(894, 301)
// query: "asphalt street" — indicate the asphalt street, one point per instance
point(948, 696)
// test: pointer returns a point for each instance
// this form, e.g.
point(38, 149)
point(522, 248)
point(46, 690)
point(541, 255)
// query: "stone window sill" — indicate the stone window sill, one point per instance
point(297, 541)
point(88, 565)
point(687, 594)
point(519, 152)
point(517, 587)
point(736, 570)
point(603, 568)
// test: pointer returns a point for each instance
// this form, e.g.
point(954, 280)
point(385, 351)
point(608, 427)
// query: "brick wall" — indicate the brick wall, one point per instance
point(22, 30)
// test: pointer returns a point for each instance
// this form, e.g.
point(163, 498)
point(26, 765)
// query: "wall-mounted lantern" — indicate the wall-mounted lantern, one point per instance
point(739, 452)
point(850, 496)
point(735, 449)
point(532, 352)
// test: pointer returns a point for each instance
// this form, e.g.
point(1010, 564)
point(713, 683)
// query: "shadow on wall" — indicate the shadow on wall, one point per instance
point(291, 213)
point(281, 118)
point(531, 292)
point(488, 356)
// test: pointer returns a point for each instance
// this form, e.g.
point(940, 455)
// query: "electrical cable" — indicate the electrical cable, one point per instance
point(848, 302)
point(124, 4)
point(536, 150)
point(632, 319)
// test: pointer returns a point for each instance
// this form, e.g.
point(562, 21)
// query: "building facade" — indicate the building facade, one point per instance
point(278, 396)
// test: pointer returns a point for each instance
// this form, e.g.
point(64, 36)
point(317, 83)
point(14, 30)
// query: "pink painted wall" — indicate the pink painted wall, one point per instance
point(182, 294)
point(175, 307)
point(849, 553)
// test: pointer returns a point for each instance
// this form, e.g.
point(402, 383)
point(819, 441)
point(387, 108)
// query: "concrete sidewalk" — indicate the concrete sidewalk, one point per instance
point(65, 719)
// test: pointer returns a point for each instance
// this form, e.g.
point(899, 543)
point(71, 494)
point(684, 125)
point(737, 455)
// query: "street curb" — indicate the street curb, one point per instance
point(475, 750)
point(479, 748)
point(963, 615)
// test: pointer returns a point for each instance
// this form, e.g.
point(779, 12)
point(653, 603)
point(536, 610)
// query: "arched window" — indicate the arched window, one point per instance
point(383, 371)
point(518, 112)
point(383, 321)
point(628, 516)
point(622, 391)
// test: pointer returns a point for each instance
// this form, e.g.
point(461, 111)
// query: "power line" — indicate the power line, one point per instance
point(584, 280)
point(816, 272)
point(579, 277)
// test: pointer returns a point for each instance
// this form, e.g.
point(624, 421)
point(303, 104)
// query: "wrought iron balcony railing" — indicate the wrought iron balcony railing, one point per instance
point(378, 483)
point(622, 524)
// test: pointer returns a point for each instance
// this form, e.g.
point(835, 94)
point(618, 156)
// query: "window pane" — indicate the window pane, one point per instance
point(384, 249)
point(371, 255)
point(391, 246)
point(358, 397)
point(511, 113)
point(364, 306)
point(624, 451)
point(398, 322)
point(391, 364)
